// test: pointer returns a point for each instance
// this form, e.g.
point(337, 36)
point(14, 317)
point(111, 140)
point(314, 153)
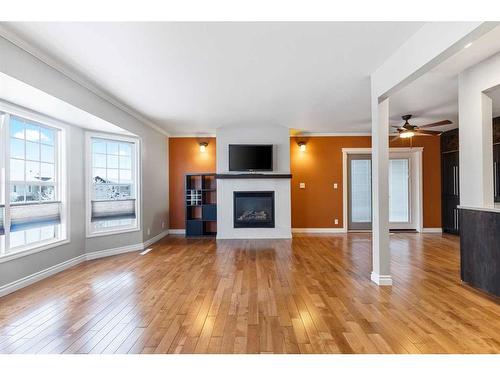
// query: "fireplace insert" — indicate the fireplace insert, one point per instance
point(253, 209)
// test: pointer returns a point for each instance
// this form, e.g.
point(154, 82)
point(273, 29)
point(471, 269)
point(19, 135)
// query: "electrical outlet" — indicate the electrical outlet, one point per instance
point(335, 185)
point(336, 221)
point(149, 231)
point(162, 225)
point(302, 185)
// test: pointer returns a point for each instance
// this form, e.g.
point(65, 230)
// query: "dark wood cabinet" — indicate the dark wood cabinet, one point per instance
point(450, 182)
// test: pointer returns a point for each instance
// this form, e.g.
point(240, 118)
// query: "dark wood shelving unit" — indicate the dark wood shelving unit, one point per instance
point(200, 200)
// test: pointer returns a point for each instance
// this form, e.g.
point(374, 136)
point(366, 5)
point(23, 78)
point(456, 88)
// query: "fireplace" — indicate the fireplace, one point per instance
point(253, 209)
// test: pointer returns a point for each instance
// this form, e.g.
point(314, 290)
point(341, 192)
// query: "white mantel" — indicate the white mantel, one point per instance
point(279, 137)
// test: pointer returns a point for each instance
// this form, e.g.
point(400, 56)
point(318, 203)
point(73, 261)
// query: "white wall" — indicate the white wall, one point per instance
point(23, 66)
point(475, 132)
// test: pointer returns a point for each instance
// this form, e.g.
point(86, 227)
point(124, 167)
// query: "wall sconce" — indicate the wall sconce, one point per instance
point(203, 146)
point(302, 146)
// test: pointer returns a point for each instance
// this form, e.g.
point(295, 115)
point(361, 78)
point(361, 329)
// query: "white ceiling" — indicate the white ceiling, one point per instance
point(195, 77)
point(434, 96)
point(25, 96)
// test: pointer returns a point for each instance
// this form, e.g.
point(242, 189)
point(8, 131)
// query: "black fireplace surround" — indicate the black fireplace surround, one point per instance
point(253, 209)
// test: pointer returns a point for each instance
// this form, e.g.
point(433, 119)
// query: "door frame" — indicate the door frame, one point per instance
point(414, 154)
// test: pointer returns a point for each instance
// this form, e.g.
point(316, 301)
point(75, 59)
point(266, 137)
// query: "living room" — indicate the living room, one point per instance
point(240, 188)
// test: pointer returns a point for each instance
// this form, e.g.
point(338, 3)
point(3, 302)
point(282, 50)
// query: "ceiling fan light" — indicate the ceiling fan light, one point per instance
point(407, 134)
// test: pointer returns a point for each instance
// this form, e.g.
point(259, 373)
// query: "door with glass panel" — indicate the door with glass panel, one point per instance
point(359, 175)
point(360, 192)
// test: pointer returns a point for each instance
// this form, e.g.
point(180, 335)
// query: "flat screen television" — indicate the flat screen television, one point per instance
point(250, 158)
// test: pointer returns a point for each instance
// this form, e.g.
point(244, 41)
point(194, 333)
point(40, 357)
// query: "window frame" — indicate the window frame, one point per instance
point(136, 178)
point(60, 170)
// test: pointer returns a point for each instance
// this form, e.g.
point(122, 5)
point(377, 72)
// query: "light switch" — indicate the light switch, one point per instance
point(335, 185)
point(302, 185)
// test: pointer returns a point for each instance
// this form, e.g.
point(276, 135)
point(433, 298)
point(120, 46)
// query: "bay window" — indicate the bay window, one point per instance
point(32, 199)
point(112, 184)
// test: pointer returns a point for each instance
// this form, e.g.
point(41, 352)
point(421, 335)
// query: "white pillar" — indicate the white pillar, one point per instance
point(381, 272)
point(476, 150)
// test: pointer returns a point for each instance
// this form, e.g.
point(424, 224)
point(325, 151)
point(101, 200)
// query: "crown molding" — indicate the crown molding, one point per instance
point(75, 77)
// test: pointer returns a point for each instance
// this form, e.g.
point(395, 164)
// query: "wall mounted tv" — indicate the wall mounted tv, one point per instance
point(250, 158)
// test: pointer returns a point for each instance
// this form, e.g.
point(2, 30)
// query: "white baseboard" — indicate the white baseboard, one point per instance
point(40, 275)
point(432, 230)
point(177, 231)
point(156, 238)
point(382, 280)
point(319, 230)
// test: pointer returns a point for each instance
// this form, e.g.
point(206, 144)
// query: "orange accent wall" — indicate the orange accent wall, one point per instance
point(319, 167)
point(185, 157)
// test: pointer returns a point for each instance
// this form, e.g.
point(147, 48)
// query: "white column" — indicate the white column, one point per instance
point(381, 272)
point(476, 150)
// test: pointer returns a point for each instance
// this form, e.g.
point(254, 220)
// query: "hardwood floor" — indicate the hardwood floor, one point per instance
point(311, 294)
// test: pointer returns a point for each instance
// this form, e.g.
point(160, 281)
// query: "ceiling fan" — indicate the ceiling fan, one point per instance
point(408, 131)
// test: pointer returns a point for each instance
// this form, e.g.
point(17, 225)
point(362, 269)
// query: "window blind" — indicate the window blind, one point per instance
point(113, 209)
point(26, 216)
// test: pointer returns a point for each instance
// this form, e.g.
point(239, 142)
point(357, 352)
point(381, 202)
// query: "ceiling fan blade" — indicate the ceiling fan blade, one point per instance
point(430, 132)
point(394, 126)
point(439, 123)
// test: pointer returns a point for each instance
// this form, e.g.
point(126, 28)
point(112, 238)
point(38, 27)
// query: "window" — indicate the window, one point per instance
point(32, 207)
point(112, 173)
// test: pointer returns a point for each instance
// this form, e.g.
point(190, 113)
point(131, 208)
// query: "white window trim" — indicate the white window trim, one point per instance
point(62, 170)
point(88, 179)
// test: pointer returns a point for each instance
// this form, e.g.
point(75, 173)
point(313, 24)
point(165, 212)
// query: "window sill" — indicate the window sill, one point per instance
point(32, 250)
point(112, 232)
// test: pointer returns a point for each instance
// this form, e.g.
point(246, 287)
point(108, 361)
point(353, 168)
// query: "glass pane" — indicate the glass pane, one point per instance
point(46, 172)
point(32, 151)
point(16, 170)
point(125, 191)
point(17, 239)
point(16, 193)
point(398, 191)
point(32, 171)
point(99, 175)
point(32, 193)
point(47, 136)
point(112, 161)
point(113, 175)
point(17, 148)
point(125, 162)
point(32, 133)
point(361, 199)
point(16, 128)
point(32, 235)
point(46, 233)
point(112, 148)
point(125, 176)
point(98, 146)
point(125, 149)
point(47, 193)
point(99, 161)
point(47, 153)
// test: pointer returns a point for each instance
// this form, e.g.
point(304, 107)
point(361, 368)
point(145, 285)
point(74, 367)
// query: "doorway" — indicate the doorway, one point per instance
point(404, 189)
